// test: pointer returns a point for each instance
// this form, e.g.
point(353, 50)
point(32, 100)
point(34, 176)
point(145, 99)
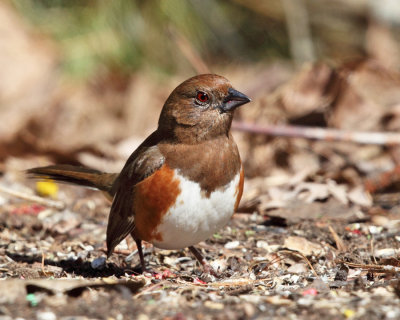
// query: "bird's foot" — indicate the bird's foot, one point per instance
point(208, 270)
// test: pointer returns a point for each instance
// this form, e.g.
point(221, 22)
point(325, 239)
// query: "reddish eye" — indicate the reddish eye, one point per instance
point(201, 96)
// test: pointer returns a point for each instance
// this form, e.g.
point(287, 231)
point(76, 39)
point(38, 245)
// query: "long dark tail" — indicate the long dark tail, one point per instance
point(76, 175)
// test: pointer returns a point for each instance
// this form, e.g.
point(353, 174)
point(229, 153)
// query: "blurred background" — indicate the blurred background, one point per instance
point(84, 81)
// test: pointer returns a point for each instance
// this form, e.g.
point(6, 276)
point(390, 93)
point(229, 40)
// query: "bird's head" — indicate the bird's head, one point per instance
point(200, 108)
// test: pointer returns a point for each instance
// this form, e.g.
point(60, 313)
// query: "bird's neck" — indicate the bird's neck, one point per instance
point(217, 158)
point(196, 134)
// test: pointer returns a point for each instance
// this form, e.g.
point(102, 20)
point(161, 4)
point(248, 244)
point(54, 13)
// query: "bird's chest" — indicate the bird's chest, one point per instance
point(195, 215)
point(191, 196)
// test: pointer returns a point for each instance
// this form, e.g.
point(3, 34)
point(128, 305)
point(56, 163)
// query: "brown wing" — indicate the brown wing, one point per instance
point(141, 164)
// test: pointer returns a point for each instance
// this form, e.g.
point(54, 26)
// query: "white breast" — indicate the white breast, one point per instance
point(196, 217)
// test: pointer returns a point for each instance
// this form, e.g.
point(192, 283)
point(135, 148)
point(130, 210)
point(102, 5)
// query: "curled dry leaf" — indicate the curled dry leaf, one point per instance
point(304, 246)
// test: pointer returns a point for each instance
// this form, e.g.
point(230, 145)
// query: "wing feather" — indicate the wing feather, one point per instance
point(143, 162)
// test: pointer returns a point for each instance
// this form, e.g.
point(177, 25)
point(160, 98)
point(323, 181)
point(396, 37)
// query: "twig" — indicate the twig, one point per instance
point(295, 252)
point(269, 262)
point(42, 265)
point(377, 138)
point(339, 242)
point(224, 284)
point(47, 202)
point(373, 249)
point(373, 267)
point(152, 289)
point(278, 259)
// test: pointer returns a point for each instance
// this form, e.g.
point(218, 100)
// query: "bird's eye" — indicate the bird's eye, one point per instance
point(202, 96)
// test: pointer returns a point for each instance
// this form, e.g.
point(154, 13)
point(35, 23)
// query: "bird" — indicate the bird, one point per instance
point(183, 183)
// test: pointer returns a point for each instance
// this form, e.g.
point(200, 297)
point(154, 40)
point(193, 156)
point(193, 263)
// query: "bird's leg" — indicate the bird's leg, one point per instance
point(141, 256)
point(140, 251)
point(206, 266)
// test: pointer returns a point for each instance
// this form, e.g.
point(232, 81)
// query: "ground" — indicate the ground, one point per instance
point(331, 265)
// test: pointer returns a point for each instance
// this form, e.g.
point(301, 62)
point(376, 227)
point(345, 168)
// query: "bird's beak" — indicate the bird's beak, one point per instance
point(233, 100)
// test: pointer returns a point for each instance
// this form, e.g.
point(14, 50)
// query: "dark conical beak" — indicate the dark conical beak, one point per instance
point(233, 100)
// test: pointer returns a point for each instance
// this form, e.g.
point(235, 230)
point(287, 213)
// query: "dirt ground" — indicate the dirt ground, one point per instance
point(336, 263)
point(317, 233)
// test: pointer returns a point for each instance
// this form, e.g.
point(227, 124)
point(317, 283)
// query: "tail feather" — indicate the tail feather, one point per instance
point(75, 175)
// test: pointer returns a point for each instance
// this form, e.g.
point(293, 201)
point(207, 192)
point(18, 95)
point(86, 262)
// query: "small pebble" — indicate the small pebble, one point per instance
point(386, 252)
point(294, 278)
point(232, 244)
point(375, 229)
point(214, 305)
point(264, 245)
point(305, 301)
point(83, 254)
point(297, 268)
point(86, 247)
point(98, 263)
point(46, 315)
point(219, 265)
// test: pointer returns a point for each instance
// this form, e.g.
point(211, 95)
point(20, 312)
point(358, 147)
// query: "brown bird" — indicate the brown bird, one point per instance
point(184, 182)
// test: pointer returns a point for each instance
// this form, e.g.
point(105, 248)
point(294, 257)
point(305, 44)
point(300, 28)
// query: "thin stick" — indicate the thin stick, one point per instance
point(224, 284)
point(295, 252)
point(372, 250)
point(42, 265)
point(339, 242)
point(268, 262)
point(47, 202)
point(373, 267)
point(151, 289)
point(315, 133)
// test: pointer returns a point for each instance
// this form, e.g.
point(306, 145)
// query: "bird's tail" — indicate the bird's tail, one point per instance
point(76, 175)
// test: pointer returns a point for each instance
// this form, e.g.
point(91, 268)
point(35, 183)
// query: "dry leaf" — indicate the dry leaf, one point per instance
point(304, 246)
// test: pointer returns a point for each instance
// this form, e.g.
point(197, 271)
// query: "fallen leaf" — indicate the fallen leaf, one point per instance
point(304, 246)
